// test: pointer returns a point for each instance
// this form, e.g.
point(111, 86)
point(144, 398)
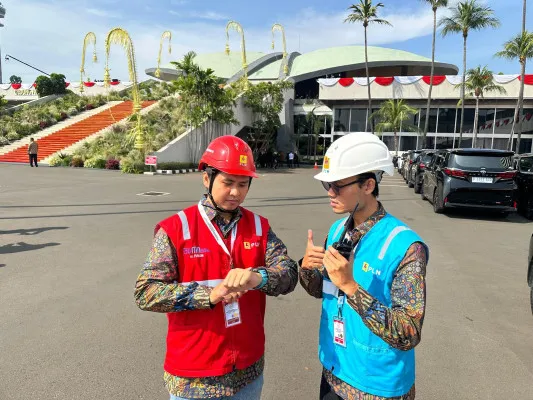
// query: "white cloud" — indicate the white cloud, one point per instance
point(52, 47)
point(210, 15)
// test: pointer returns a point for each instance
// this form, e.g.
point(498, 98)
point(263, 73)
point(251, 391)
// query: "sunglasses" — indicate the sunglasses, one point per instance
point(337, 188)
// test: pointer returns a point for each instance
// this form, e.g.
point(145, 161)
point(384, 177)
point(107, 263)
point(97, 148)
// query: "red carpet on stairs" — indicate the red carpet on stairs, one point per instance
point(74, 133)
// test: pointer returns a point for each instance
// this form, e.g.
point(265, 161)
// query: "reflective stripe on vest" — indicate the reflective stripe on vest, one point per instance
point(391, 236)
point(258, 228)
point(184, 226)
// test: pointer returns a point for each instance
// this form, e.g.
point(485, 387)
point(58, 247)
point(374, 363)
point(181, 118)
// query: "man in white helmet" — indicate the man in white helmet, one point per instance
point(370, 275)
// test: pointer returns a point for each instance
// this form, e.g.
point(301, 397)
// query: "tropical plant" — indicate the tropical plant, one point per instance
point(393, 116)
point(480, 80)
point(46, 86)
point(3, 101)
point(367, 13)
point(266, 102)
point(518, 48)
point(15, 79)
point(3, 141)
point(466, 16)
point(435, 5)
point(187, 64)
point(206, 104)
point(12, 136)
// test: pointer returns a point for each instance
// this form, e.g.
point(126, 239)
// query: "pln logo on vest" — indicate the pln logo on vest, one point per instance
point(367, 268)
point(251, 245)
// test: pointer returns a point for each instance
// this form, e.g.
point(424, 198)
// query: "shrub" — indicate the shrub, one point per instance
point(130, 166)
point(89, 107)
point(65, 159)
point(55, 161)
point(63, 115)
point(72, 111)
point(95, 162)
point(43, 124)
point(12, 136)
point(76, 162)
point(3, 141)
point(112, 164)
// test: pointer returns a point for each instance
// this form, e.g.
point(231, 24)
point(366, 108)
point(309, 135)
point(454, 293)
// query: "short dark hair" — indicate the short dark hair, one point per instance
point(366, 176)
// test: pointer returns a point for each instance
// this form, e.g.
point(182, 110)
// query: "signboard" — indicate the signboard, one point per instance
point(150, 160)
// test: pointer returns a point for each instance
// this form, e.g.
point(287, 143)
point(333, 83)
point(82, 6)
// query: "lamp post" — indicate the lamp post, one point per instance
point(238, 27)
point(166, 34)
point(279, 27)
point(313, 132)
point(90, 38)
point(121, 37)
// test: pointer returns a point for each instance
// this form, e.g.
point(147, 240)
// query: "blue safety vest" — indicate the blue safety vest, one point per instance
point(367, 362)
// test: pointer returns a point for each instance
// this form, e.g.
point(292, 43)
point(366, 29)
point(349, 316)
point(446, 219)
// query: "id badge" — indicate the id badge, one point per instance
point(339, 333)
point(232, 314)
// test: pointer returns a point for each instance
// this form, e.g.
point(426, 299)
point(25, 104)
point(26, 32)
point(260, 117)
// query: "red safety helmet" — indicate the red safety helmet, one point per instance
point(230, 155)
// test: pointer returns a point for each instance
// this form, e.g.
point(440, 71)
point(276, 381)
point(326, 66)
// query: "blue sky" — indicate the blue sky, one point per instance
point(48, 34)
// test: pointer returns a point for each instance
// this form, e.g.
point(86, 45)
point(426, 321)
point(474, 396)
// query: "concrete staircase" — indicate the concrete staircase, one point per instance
point(65, 137)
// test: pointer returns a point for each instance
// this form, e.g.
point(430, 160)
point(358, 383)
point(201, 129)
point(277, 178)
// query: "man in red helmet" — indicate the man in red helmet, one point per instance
point(210, 268)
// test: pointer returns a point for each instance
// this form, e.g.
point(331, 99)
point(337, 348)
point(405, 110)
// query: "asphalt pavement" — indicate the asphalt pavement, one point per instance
point(73, 241)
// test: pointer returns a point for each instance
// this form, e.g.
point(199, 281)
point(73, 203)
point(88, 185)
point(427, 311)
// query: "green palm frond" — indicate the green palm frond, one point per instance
point(518, 48)
point(468, 15)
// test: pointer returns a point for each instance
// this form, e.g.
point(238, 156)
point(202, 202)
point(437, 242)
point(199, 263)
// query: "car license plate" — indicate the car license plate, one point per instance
point(477, 179)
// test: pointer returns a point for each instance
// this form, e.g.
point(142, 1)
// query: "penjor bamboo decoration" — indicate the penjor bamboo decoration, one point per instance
point(90, 38)
point(166, 34)
point(238, 28)
point(121, 37)
point(279, 27)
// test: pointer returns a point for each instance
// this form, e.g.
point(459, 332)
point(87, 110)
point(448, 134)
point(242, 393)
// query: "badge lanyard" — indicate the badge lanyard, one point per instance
point(217, 236)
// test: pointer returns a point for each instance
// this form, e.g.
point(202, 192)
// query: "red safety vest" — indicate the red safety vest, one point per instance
point(198, 342)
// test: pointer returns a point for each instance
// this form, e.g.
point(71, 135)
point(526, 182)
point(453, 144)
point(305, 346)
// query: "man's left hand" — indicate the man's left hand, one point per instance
point(340, 271)
point(241, 280)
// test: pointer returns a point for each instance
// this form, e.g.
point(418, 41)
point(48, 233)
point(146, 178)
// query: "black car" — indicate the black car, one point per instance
point(471, 178)
point(523, 164)
point(530, 272)
point(414, 179)
point(409, 161)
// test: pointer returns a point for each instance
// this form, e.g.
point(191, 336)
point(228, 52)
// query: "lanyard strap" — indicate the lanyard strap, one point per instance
point(215, 233)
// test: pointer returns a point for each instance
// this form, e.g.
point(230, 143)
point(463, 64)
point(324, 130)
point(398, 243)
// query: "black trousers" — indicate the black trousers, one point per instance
point(33, 159)
point(326, 391)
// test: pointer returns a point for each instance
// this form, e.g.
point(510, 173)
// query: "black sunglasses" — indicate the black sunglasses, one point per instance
point(337, 188)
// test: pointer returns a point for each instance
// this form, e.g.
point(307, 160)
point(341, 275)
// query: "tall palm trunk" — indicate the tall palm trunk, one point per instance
point(519, 111)
point(426, 124)
point(370, 121)
point(524, 7)
point(463, 93)
point(395, 141)
point(476, 116)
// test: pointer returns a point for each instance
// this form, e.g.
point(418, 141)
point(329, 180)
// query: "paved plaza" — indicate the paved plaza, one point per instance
point(73, 241)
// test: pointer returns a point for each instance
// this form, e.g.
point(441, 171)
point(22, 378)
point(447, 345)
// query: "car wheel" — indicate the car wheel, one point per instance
point(438, 208)
point(418, 185)
point(422, 195)
point(410, 184)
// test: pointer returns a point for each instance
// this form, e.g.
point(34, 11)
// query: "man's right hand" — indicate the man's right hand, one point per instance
point(314, 255)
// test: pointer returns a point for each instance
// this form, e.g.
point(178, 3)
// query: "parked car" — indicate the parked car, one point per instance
point(409, 161)
point(401, 162)
point(523, 164)
point(471, 178)
point(530, 272)
point(414, 180)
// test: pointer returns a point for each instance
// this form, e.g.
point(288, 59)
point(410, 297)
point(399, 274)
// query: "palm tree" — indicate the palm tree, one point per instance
point(392, 117)
point(466, 16)
point(521, 48)
point(480, 80)
point(435, 5)
point(187, 65)
point(367, 13)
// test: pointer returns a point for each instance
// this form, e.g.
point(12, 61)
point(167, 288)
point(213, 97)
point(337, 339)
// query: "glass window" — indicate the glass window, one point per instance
point(408, 143)
point(504, 120)
point(432, 119)
point(468, 124)
point(446, 120)
point(342, 119)
point(500, 144)
point(490, 162)
point(527, 121)
point(358, 120)
point(389, 141)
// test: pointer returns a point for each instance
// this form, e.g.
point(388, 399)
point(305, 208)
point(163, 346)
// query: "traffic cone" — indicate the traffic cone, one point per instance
point(316, 166)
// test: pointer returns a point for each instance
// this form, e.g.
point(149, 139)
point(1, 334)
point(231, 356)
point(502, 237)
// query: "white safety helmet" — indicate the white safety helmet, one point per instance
point(355, 154)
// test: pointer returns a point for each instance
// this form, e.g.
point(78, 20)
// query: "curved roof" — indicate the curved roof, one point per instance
point(225, 66)
point(336, 59)
point(331, 60)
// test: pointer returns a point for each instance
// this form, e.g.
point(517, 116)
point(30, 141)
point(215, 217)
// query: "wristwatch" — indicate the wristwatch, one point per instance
point(264, 276)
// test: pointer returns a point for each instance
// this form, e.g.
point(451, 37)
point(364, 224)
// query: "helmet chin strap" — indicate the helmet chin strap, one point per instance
point(212, 173)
